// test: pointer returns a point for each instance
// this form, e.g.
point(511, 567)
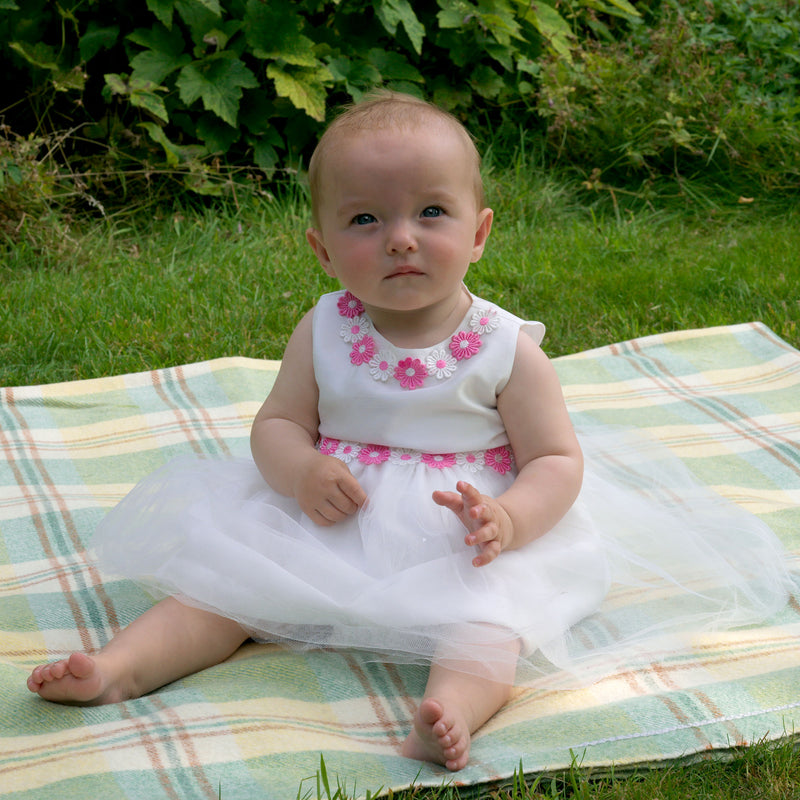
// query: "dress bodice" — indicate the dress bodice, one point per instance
point(437, 399)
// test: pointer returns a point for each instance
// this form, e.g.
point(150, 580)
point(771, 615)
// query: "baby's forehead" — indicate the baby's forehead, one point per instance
point(348, 146)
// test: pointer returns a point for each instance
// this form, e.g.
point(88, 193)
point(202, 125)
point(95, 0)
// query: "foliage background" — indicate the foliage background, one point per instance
point(103, 103)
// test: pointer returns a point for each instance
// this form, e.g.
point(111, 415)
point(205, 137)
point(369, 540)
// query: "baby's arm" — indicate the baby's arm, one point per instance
point(284, 435)
point(548, 457)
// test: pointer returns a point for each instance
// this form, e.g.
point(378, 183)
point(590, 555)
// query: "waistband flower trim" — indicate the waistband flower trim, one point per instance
point(410, 373)
point(500, 459)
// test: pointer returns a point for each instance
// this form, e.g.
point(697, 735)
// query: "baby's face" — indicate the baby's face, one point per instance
point(399, 219)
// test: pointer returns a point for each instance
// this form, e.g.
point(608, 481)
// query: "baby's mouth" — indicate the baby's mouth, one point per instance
point(400, 272)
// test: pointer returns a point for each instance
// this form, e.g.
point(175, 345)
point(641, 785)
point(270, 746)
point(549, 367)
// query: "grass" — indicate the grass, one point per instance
point(762, 772)
point(124, 294)
point(88, 298)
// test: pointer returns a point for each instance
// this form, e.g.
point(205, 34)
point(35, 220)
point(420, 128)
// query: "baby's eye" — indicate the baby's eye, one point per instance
point(432, 212)
point(363, 219)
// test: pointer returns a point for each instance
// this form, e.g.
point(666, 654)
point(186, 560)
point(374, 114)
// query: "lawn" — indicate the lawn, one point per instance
point(85, 298)
point(189, 283)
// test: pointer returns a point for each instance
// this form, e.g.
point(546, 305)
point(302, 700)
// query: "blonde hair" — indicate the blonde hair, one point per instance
point(382, 110)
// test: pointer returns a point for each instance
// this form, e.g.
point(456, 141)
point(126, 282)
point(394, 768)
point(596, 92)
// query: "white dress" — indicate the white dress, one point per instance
point(396, 579)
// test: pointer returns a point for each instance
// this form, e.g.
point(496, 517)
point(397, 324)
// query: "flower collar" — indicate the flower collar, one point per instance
point(411, 373)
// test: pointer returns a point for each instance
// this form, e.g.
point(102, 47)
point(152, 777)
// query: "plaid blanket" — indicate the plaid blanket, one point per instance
point(274, 724)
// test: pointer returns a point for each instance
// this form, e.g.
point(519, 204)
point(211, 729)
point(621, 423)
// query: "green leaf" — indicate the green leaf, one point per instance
point(199, 17)
point(486, 82)
point(274, 31)
point(455, 14)
point(71, 80)
point(217, 135)
point(393, 66)
point(218, 79)
point(96, 39)
point(140, 93)
point(391, 13)
point(553, 28)
point(501, 23)
point(8, 5)
point(358, 76)
point(623, 8)
point(175, 154)
point(212, 5)
point(163, 10)
point(39, 54)
point(158, 38)
point(265, 156)
point(307, 89)
point(155, 65)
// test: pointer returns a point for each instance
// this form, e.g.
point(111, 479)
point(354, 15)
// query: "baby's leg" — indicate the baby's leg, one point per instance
point(455, 705)
point(167, 642)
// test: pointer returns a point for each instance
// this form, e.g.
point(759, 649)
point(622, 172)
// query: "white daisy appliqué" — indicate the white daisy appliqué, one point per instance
point(353, 329)
point(382, 366)
point(484, 320)
point(440, 363)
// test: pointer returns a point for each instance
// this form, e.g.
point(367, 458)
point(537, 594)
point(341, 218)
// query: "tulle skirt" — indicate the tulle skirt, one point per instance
point(645, 559)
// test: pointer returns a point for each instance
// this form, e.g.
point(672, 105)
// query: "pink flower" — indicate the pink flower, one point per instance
point(327, 446)
point(373, 454)
point(439, 460)
point(362, 351)
point(499, 459)
point(411, 373)
point(349, 306)
point(465, 344)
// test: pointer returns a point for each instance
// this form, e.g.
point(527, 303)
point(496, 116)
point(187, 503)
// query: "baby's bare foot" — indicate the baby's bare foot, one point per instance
point(77, 679)
point(438, 736)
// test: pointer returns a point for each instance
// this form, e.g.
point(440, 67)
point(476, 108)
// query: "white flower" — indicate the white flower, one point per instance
point(347, 451)
point(440, 363)
point(472, 462)
point(404, 457)
point(485, 320)
point(381, 366)
point(353, 329)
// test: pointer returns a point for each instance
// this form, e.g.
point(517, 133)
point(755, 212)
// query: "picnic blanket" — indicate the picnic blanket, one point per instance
point(270, 723)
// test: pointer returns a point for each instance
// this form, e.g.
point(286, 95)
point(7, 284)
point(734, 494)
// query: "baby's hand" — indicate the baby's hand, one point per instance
point(326, 490)
point(488, 524)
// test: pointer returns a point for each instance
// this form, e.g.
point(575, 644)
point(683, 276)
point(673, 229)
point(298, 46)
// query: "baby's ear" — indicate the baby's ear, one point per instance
point(314, 238)
point(484, 221)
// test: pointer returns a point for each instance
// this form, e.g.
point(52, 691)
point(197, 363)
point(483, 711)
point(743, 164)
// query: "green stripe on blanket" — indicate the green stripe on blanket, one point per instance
point(725, 400)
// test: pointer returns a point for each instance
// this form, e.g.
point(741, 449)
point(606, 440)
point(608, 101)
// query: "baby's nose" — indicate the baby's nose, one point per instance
point(401, 238)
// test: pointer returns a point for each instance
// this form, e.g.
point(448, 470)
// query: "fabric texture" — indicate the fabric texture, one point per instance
point(723, 400)
point(396, 578)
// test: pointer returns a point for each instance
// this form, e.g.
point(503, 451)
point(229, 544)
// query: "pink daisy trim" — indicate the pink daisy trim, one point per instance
point(465, 344)
point(350, 306)
point(411, 373)
point(328, 446)
point(499, 459)
point(439, 460)
point(363, 351)
point(373, 454)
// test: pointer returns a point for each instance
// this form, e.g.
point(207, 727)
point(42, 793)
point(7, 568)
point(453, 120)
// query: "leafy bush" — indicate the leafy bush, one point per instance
point(703, 87)
point(194, 84)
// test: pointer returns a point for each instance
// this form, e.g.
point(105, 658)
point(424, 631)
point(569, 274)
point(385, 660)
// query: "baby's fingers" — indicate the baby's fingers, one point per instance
point(488, 553)
point(353, 493)
point(451, 500)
